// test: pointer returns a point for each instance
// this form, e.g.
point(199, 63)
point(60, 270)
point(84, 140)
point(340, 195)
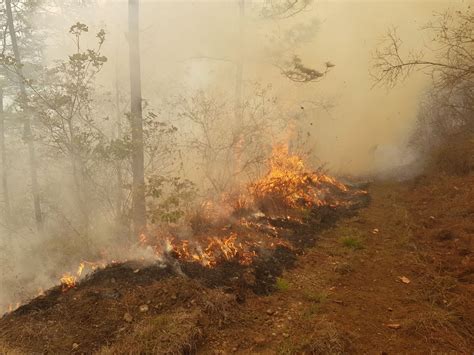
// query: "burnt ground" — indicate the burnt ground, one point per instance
point(397, 277)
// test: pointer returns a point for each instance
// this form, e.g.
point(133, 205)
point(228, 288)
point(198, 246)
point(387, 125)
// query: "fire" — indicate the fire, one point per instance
point(142, 239)
point(238, 227)
point(217, 249)
point(12, 307)
point(287, 187)
point(69, 280)
point(290, 184)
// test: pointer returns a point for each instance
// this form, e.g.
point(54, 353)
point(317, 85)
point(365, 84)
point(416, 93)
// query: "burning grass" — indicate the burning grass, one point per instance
point(241, 227)
point(279, 214)
point(239, 244)
point(290, 184)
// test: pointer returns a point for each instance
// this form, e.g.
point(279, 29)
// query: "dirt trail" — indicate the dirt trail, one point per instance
point(346, 294)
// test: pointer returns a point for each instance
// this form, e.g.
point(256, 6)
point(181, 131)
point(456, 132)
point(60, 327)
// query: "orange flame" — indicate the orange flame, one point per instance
point(288, 185)
point(69, 280)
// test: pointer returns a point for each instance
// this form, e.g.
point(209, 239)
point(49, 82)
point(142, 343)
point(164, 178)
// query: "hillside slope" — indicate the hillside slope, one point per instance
point(395, 278)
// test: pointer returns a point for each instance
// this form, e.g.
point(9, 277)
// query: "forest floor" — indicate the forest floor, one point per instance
point(396, 278)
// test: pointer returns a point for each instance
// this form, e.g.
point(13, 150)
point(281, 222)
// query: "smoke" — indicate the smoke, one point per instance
point(192, 45)
point(189, 47)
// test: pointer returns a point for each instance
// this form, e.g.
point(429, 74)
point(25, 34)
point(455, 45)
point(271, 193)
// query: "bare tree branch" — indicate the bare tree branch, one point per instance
point(451, 61)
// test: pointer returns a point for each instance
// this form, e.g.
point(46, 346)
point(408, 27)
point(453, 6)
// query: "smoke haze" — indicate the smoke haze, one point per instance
point(189, 47)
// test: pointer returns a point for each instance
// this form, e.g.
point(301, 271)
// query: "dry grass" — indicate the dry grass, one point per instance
point(326, 338)
point(436, 323)
point(218, 306)
point(435, 319)
point(456, 155)
point(5, 350)
point(343, 268)
point(172, 333)
point(438, 289)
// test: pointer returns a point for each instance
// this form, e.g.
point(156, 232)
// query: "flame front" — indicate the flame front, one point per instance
point(69, 280)
point(289, 184)
point(238, 226)
point(217, 250)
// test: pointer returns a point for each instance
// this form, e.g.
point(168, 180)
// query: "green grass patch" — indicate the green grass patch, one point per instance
point(317, 300)
point(282, 284)
point(313, 309)
point(351, 243)
point(315, 297)
point(286, 348)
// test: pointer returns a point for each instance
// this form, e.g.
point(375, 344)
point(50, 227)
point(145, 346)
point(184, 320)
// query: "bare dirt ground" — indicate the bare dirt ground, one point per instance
point(395, 278)
point(347, 294)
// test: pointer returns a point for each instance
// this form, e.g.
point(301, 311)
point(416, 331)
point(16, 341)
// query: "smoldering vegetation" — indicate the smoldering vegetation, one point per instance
point(222, 85)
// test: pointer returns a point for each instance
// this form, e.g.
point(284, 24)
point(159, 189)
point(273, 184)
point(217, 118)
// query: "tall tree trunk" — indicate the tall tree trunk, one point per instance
point(118, 134)
point(238, 108)
point(239, 67)
point(138, 184)
point(28, 134)
point(6, 193)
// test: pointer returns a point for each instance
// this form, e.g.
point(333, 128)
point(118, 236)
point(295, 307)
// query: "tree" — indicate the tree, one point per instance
point(28, 134)
point(62, 99)
point(448, 106)
point(206, 118)
point(281, 9)
point(451, 59)
point(292, 69)
point(239, 65)
point(445, 120)
point(136, 120)
point(118, 136)
point(3, 153)
point(238, 109)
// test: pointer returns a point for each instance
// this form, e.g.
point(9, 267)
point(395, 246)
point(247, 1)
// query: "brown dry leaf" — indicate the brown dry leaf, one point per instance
point(404, 279)
point(128, 317)
point(393, 326)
